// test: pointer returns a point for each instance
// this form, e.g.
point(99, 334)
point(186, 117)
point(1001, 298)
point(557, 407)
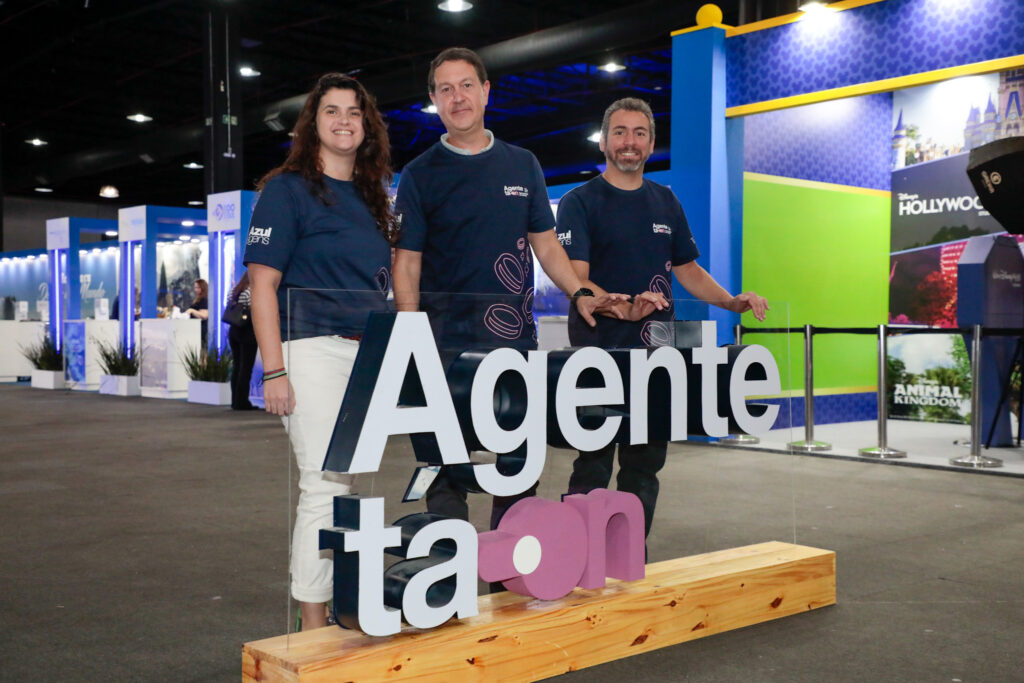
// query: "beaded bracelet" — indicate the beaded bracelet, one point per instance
point(274, 374)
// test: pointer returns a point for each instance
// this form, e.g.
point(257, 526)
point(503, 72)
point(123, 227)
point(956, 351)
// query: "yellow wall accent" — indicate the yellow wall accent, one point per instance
point(872, 87)
point(814, 184)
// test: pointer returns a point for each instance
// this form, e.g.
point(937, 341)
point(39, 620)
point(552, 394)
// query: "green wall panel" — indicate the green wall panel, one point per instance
point(824, 251)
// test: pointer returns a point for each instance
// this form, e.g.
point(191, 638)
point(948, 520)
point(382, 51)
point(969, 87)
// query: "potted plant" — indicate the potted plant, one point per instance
point(120, 369)
point(208, 375)
point(47, 362)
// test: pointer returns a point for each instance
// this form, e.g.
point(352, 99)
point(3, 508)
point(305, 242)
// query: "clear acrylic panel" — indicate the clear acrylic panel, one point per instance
point(711, 494)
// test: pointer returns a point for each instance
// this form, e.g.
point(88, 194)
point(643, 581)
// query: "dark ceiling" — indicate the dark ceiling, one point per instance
point(73, 70)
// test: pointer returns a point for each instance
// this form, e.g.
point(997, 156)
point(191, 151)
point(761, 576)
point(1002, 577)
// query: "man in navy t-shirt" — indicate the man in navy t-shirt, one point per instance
point(471, 208)
point(627, 234)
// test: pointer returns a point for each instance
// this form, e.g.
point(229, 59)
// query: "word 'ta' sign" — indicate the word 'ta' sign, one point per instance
point(510, 401)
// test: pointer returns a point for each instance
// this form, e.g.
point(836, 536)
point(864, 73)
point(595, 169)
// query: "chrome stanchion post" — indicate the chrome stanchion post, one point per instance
point(809, 444)
point(882, 450)
point(976, 459)
point(739, 439)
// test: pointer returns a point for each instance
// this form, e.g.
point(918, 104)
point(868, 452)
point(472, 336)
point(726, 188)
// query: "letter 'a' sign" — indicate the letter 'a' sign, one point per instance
point(506, 401)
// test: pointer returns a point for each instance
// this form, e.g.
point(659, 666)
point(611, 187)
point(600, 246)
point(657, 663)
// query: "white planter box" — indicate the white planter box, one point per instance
point(47, 379)
point(120, 385)
point(210, 393)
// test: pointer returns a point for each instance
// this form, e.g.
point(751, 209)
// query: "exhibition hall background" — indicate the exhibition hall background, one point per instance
point(821, 163)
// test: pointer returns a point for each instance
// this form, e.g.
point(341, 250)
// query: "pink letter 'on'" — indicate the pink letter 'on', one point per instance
point(615, 535)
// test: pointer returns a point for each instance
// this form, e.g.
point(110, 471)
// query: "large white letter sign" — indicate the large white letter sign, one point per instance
point(532, 430)
point(640, 367)
point(568, 397)
point(371, 401)
point(462, 565)
point(709, 356)
point(740, 388)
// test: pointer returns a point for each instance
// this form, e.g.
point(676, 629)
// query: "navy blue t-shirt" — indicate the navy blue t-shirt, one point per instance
point(631, 239)
point(470, 216)
point(326, 247)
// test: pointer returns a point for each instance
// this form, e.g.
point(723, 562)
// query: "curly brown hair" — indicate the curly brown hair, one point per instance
point(372, 173)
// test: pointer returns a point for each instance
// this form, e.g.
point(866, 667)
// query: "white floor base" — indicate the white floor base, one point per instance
point(927, 444)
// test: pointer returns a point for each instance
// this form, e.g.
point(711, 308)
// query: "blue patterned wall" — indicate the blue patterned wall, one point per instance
point(829, 409)
point(870, 43)
point(848, 142)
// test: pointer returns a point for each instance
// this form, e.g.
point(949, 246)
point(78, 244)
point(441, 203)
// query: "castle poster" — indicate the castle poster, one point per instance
point(934, 207)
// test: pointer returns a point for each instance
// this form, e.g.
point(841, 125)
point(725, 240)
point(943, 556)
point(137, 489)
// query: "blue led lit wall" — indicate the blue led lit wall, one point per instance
point(870, 43)
point(847, 142)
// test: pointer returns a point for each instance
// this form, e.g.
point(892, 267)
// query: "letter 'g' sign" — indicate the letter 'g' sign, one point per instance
point(507, 401)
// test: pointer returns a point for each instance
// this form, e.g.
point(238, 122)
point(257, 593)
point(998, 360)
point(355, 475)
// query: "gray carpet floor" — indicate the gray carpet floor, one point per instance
point(143, 539)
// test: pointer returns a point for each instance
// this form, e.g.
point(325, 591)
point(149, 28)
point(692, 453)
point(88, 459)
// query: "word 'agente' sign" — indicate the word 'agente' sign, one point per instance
point(515, 402)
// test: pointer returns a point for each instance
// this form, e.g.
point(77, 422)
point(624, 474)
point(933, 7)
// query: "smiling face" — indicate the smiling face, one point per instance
point(460, 97)
point(339, 122)
point(629, 142)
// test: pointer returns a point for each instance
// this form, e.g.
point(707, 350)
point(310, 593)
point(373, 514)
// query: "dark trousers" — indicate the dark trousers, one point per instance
point(243, 357)
point(447, 495)
point(638, 473)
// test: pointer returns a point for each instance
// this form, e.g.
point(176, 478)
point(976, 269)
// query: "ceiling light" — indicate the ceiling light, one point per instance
point(44, 189)
point(195, 202)
point(96, 250)
point(177, 241)
point(5, 259)
point(188, 224)
point(612, 67)
point(587, 172)
point(183, 238)
point(194, 240)
point(455, 5)
point(110, 233)
point(193, 165)
point(148, 158)
point(109, 191)
point(429, 109)
point(248, 72)
point(139, 118)
point(36, 142)
point(595, 136)
point(812, 7)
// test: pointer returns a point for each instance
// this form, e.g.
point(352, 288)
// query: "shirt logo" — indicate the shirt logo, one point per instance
point(259, 235)
point(565, 238)
point(660, 229)
point(516, 191)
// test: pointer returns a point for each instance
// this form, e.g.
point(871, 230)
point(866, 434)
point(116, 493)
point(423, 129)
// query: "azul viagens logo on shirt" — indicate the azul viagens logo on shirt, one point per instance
point(259, 235)
point(516, 191)
point(661, 229)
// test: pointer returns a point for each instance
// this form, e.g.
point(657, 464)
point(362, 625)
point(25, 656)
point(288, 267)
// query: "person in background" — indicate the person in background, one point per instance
point(200, 307)
point(323, 222)
point(628, 234)
point(200, 303)
point(242, 340)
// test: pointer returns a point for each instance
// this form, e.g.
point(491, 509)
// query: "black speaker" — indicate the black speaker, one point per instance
point(997, 172)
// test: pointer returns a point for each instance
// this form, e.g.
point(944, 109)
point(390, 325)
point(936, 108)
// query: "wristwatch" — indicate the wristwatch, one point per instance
point(582, 291)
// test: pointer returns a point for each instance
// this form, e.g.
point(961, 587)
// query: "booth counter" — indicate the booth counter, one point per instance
point(15, 336)
point(82, 340)
point(163, 343)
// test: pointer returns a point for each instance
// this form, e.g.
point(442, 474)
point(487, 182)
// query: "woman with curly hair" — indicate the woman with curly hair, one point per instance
point(319, 259)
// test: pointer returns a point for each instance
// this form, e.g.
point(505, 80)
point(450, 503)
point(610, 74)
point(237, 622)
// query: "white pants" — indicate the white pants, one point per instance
point(318, 369)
